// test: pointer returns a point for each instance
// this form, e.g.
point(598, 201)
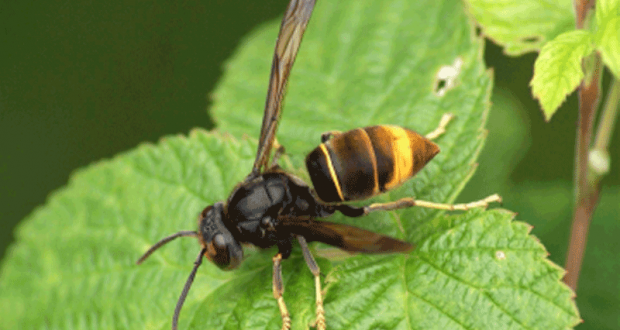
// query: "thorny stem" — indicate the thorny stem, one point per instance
point(586, 193)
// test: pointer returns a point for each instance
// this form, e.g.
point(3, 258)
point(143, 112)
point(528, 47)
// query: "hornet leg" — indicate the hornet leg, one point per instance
point(316, 271)
point(352, 211)
point(280, 151)
point(277, 154)
point(278, 290)
point(410, 202)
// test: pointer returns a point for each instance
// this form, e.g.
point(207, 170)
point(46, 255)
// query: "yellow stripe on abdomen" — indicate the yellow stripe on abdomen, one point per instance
point(332, 171)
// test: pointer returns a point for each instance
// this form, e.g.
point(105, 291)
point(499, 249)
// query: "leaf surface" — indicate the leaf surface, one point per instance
point(479, 271)
point(522, 26)
point(558, 70)
point(608, 34)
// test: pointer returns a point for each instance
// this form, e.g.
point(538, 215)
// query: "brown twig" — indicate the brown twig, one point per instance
point(586, 193)
point(582, 7)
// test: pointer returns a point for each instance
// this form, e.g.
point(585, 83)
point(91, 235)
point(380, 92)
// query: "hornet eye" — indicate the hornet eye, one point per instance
point(217, 251)
point(219, 242)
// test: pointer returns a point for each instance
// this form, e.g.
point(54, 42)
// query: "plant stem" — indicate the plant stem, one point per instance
point(589, 190)
point(586, 194)
point(582, 7)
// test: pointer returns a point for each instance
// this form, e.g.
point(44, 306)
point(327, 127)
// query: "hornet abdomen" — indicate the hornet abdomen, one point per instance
point(364, 162)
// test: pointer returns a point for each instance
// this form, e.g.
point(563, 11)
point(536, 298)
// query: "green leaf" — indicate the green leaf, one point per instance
point(609, 45)
point(548, 208)
point(557, 71)
point(362, 63)
point(608, 34)
point(522, 26)
point(74, 264)
point(480, 270)
point(606, 9)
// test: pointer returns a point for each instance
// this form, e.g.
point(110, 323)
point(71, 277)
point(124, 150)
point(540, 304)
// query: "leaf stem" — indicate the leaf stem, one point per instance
point(608, 117)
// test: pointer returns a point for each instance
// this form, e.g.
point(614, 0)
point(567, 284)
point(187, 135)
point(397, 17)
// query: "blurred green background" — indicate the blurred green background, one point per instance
point(83, 81)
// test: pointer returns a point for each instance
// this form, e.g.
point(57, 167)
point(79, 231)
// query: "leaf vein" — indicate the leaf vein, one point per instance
point(169, 182)
point(482, 289)
point(438, 308)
